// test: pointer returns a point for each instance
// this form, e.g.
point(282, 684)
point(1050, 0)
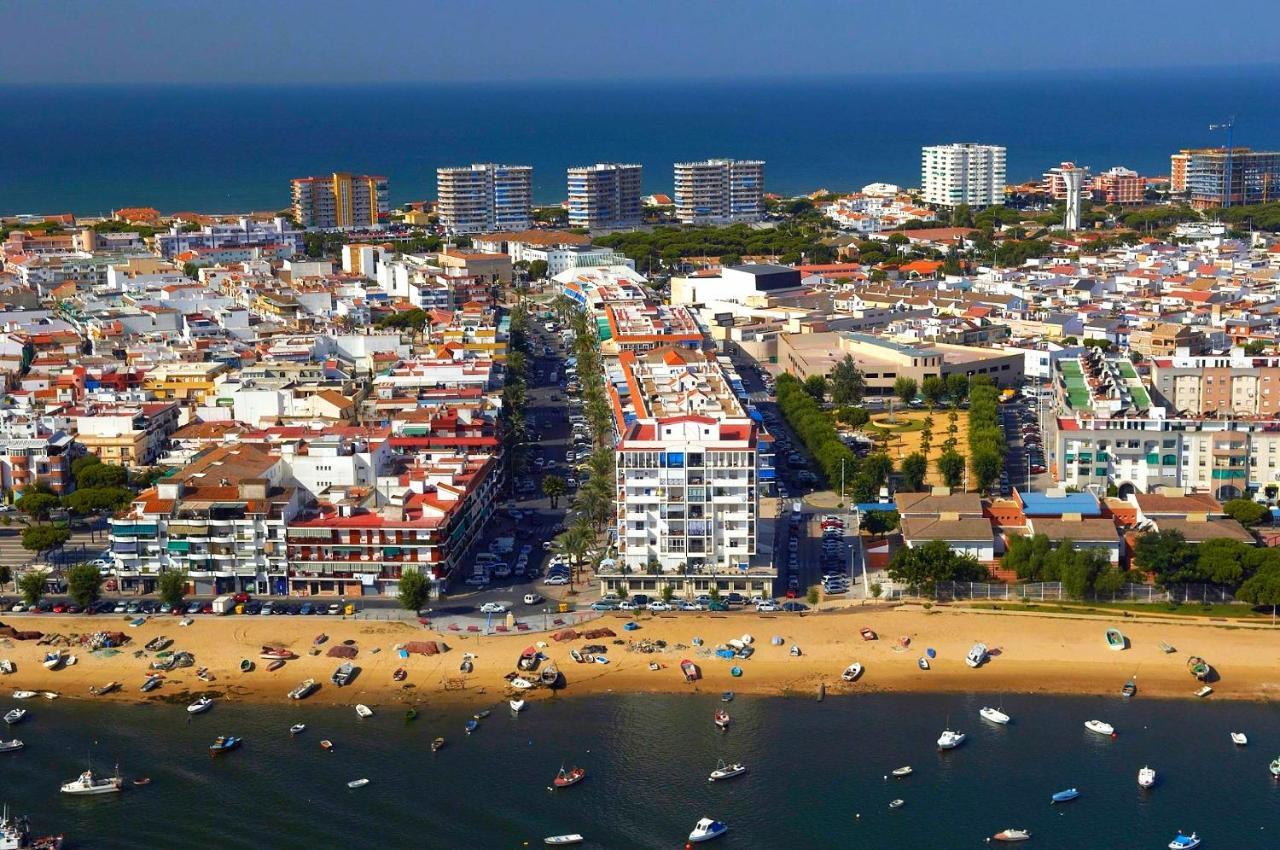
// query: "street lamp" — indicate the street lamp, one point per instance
point(544, 619)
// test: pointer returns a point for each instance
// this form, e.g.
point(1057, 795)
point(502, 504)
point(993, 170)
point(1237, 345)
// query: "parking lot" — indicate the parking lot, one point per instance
point(1025, 464)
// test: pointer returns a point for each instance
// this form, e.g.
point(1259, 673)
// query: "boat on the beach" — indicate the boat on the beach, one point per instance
point(246, 665)
point(326, 745)
point(576, 656)
point(1204, 692)
point(223, 744)
point(722, 718)
point(436, 744)
point(517, 704)
point(1184, 842)
point(852, 672)
point(363, 711)
point(471, 726)
point(53, 660)
point(562, 840)
point(565, 778)
point(1130, 688)
point(528, 659)
point(726, 771)
point(868, 633)
point(1101, 727)
point(50, 694)
point(297, 728)
point(202, 704)
point(995, 715)
point(105, 689)
point(153, 681)
point(270, 653)
point(949, 740)
point(905, 770)
point(549, 676)
point(795, 651)
point(690, 671)
point(923, 662)
point(23, 694)
point(707, 829)
point(467, 664)
point(303, 690)
point(275, 665)
point(357, 783)
point(1198, 667)
point(1239, 738)
point(1115, 640)
point(14, 715)
point(157, 643)
point(976, 655)
point(520, 684)
point(7, 666)
point(1167, 648)
point(1011, 834)
point(400, 675)
point(204, 675)
point(10, 746)
point(185, 621)
point(319, 639)
point(86, 784)
point(1146, 777)
point(1065, 796)
point(343, 675)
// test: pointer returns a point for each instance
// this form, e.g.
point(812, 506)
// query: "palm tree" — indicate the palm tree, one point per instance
point(553, 487)
point(576, 543)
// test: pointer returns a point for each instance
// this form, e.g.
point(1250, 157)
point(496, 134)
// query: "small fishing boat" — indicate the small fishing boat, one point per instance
point(1115, 640)
point(246, 665)
point(1184, 842)
point(1100, 727)
point(136, 622)
point(411, 714)
point(14, 715)
point(436, 744)
point(896, 804)
point(690, 671)
point(1064, 796)
point(86, 784)
point(467, 665)
point(23, 694)
point(726, 771)
point(50, 694)
point(1204, 692)
point(53, 660)
point(923, 662)
point(326, 745)
point(142, 781)
point(363, 711)
point(995, 715)
point(576, 656)
point(357, 783)
point(185, 621)
point(204, 675)
point(1146, 777)
point(521, 684)
point(949, 740)
point(517, 705)
point(1275, 768)
point(562, 840)
point(7, 666)
point(151, 683)
point(795, 650)
point(105, 689)
point(200, 705)
point(1239, 738)
point(344, 674)
point(471, 726)
point(722, 718)
point(1198, 667)
point(271, 652)
point(726, 696)
point(565, 778)
point(10, 746)
point(275, 665)
point(852, 672)
point(400, 675)
point(303, 690)
point(319, 639)
point(977, 654)
point(1130, 688)
point(481, 714)
point(1011, 834)
point(707, 829)
point(549, 676)
point(905, 770)
point(868, 633)
point(157, 643)
point(1167, 648)
point(600, 659)
point(224, 744)
point(528, 659)
point(297, 728)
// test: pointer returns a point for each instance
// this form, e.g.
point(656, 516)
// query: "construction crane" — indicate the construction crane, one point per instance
point(1229, 125)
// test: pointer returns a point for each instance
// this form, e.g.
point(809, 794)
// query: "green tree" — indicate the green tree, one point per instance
point(1263, 588)
point(914, 469)
point(38, 505)
point(933, 389)
point(880, 522)
point(1222, 561)
point(172, 585)
point(847, 382)
point(31, 585)
point(44, 538)
point(1166, 554)
point(905, 388)
point(553, 487)
point(985, 464)
point(922, 567)
point(813, 596)
point(816, 386)
point(6, 575)
point(82, 463)
point(854, 417)
point(537, 269)
point(84, 584)
point(415, 590)
point(89, 500)
point(668, 592)
point(957, 387)
point(1255, 348)
point(1246, 512)
point(961, 216)
point(951, 467)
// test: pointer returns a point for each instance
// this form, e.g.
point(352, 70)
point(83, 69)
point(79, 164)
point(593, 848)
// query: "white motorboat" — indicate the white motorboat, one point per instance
point(50, 694)
point(1184, 842)
point(1100, 727)
point(303, 690)
point(23, 694)
point(852, 672)
point(10, 746)
point(297, 728)
point(905, 770)
point(53, 660)
point(1011, 834)
point(517, 705)
point(521, 684)
point(977, 655)
point(950, 740)
point(86, 784)
point(562, 840)
point(1146, 777)
point(200, 705)
point(14, 715)
point(363, 710)
point(357, 783)
point(995, 715)
point(6, 666)
point(726, 771)
point(707, 829)
point(1239, 738)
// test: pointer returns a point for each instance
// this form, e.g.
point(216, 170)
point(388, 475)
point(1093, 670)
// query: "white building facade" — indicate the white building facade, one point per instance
point(719, 191)
point(605, 195)
point(963, 173)
point(484, 197)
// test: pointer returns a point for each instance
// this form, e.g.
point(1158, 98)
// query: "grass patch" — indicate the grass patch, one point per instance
point(1177, 609)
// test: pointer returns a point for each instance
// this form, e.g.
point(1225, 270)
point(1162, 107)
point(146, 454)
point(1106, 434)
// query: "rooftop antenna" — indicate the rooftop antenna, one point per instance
point(1229, 125)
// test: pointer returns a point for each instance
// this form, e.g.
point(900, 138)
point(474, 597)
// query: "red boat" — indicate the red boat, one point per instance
point(690, 670)
point(868, 633)
point(400, 675)
point(271, 652)
point(722, 718)
point(565, 778)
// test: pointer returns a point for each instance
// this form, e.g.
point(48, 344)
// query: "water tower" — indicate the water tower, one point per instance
point(1071, 180)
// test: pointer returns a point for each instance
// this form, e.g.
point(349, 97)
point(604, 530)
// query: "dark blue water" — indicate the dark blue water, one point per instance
point(815, 780)
point(224, 149)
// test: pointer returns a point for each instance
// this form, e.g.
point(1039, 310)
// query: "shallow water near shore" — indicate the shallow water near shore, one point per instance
point(815, 779)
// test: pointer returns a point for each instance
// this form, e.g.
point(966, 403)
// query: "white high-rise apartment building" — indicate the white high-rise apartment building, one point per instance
point(963, 173)
point(485, 197)
point(719, 191)
point(605, 195)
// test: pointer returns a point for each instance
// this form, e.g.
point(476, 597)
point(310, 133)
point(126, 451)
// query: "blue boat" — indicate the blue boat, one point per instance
point(735, 671)
point(223, 743)
point(727, 696)
point(1184, 842)
point(1064, 796)
point(472, 726)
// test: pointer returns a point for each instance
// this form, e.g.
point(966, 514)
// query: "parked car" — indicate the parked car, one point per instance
point(493, 608)
point(556, 580)
point(306, 609)
point(686, 605)
point(604, 605)
point(768, 607)
point(658, 605)
point(717, 605)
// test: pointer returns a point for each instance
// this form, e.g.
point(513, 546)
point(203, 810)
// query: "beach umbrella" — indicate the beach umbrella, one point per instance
point(929, 652)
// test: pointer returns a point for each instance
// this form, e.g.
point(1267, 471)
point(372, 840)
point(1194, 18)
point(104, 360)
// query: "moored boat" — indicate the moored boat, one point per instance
point(896, 804)
point(1101, 727)
point(905, 770)
point(1011, 834)
point(1146, 777)
point(726, 771)
point(565, 778)
point(1275, 768)
point(852, 672)
point(411, 714)
point(297, 728)
point(1116, 640)
point(1065, 796)
point(949, 740)
point(200, 705)
point(707, 829)
point(481, 714)
point(23, 694)
point(517, 705)
point(1184, 842)
point(722, 718)
point(562, 840)
point(15, 834)
point(471, 726)
point(436, 744)
point(1239, 738)
point(363, 711)
point(14, 715)
point(357, 783)
point(224, 744)
point(995, 715)
point(11, 746)
point(86, 784)
point(303, 690)
point(326, 745)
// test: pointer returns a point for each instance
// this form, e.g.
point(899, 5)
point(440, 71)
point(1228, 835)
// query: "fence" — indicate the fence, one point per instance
point(1052, 591)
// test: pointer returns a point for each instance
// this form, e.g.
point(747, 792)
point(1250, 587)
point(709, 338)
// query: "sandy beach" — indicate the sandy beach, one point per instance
point(1030, 654)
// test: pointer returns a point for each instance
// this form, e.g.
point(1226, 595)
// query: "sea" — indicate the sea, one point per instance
point(89, 149)
point(818, 774)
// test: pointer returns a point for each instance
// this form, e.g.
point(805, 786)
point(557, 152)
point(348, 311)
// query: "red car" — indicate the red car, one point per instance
point(1037, 469)
point(206, 608)
point(241, 597)
point(60, 608)
point(791, 593)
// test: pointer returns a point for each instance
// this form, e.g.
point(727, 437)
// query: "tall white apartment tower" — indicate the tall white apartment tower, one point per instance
point(605, 195)
point(485, 197)
point(1072, 178)
point(719, 191)
point(963, 173)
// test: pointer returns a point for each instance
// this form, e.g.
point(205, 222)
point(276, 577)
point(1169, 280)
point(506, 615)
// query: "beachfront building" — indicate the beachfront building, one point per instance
point(1119, 185)
point(484, 197)
point(719, 191)
point(244, 233)
point(963, 173)
point(340, 200)
point(1217, 177)
point(605, 196)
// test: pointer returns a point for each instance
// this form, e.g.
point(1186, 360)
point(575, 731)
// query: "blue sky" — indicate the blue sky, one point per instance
point(336, 41)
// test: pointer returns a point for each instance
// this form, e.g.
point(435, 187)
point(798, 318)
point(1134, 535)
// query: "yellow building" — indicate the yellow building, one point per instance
point(185, 381)
point(340, 200)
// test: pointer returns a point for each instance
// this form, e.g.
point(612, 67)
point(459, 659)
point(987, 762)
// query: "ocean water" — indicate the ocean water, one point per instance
point(89, 149)
point(816, 774)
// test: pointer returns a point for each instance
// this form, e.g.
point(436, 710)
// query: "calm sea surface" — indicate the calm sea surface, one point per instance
point(814, 768)
point(222, 149)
